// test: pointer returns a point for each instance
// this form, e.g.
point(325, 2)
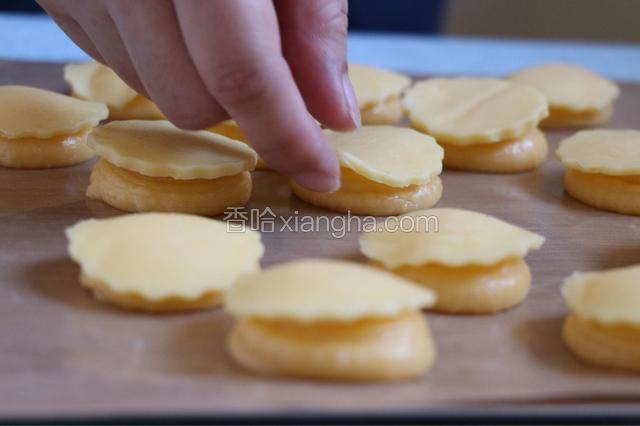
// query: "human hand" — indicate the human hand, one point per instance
point(263, 63)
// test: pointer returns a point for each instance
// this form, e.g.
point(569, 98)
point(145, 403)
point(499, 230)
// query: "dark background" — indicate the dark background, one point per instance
point(596, 20)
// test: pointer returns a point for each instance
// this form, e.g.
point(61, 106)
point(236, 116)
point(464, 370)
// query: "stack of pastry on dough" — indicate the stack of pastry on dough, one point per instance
point(378, 93)
point(483, 124)
point(95, 82)
point(161, 262)
point(42, 129)
point(472, 261)
point(327, 319)
point(577, 97)
point(603, 326)
point(154, 166)
point(603, 169)
point(385, 170)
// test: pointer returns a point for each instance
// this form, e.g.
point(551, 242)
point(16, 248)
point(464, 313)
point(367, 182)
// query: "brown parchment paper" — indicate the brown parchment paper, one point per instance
point(64, 354)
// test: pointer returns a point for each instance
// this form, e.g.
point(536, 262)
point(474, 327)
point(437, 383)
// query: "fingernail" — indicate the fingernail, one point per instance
point(318, 182)
point(352, 102)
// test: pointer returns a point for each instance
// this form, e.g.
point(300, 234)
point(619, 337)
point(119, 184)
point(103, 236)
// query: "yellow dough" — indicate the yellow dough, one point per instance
point(378, 93)
point(472, 261)
point(388, 111)
point(524, 153)
point(484, 124)
point(230, 129)
point(42, 129)
point(562, 119)
point(330, 320)
point(161, 262)
point(96, 82)
point(577, 96)
point(386, 170)
point(134, 192)
point(153, 166)
point(603, 326)
point(473, 289)
point(603, 169)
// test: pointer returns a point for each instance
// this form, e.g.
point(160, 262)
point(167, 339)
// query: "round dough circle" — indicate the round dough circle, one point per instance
point(373, 86)
point(373, 349)
point(569, 87)
point(157, 258)
point(393, 156)
point(450, 237)
point(358, 195)
point(513, 156)
point(314, 290)
point(133, 192)
point(469, 111)
point(607, 297)
point(620, 194)
point(27, 112)
point(157, 148)
point(612, 346)
point(33, 153)
point(94, 81)
point(610, 152)
point(473, 289)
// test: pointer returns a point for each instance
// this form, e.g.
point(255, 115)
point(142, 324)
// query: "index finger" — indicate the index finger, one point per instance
point(235, 46)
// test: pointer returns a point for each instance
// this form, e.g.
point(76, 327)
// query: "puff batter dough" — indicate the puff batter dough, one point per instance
point(154, 166)
point(96, 82)
point(603, 326)
point(472, 261)
point(161, 262)
point(230, 129)
point(483, 124)
point(43, 129)
point(603, 169)
point(577, 96)
point(386, 170)
point(327, 319)
point(378, 93)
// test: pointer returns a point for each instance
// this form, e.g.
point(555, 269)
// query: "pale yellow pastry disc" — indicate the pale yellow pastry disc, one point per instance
point(610, 152)
point(450, 237)
point(27, 112)
point(393, 156)
point(157, 148)
point(375, 85)
point(159, 256)
point(569, 87)
point(608, 297)
point(96, 82)
point(312, 290)
point(468, 111)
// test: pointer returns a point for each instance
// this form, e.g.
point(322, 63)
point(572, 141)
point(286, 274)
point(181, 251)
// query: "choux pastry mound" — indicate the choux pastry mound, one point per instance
point(385, 170)
point(230, 129)
point(41, 129)
point(330, 320)
point(161, 262)
point(603, 169)
point(483, 124)
point(603, 326)
point(473, 262)
point(154, 166)
point(93, 81)
point(378, 92)
point(577, 96)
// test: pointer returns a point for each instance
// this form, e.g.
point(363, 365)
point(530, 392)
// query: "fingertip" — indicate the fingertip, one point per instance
point(317, 181)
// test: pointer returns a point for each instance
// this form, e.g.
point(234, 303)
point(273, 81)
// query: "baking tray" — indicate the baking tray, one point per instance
point(65, 356)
